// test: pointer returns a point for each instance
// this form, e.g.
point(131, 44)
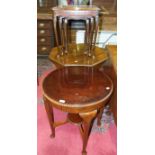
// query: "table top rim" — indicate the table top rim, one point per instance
point(76, 105)
point(76, 8)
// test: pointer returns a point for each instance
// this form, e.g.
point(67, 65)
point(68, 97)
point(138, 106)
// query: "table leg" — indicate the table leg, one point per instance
point(61, 34)
point(87, 125)
point(56, 34)
point(87, 36)
point(66, 38)
point(91, 35)
point(99, 116)
point(95, 35)
point(50, 115)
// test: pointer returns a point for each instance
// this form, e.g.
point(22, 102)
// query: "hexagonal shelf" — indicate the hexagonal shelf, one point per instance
point(76, 56)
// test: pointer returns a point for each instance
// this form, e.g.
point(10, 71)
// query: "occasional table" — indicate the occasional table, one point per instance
point(61, 17)
point(80, 91)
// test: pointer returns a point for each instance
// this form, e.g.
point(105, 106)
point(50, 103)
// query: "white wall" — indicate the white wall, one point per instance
point(103, 38)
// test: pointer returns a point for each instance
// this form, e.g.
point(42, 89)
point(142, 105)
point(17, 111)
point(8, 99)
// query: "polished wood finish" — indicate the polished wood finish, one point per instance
point(107, 22)
point(112, 50)
point(108, 9)
point(44, 37)
point(46, 4)
point(76, 10)
point(86, 129)
point(43, 24)
point(63, 14)
point(44, 40)
point(81, 91)
point(80, 86)
point(77, 57)
point(49, 111)
point(91, 87)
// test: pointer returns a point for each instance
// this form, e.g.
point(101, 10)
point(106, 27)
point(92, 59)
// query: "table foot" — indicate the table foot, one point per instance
point(99, 117)
point(84, 153)
point(99, 123)
point(52, 135)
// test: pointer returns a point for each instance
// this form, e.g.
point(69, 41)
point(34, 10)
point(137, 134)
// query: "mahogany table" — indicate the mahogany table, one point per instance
point(82, 92)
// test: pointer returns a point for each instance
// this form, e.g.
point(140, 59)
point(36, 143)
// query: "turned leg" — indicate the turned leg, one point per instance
point(86, 127)
point(99, 116)
point(50, 114)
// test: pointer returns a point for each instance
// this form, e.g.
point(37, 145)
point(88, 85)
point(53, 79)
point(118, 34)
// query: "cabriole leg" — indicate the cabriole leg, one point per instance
point(50, 115)
point(87, 125)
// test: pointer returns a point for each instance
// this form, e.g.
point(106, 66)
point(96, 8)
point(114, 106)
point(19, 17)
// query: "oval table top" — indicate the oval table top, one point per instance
point(77, 87)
